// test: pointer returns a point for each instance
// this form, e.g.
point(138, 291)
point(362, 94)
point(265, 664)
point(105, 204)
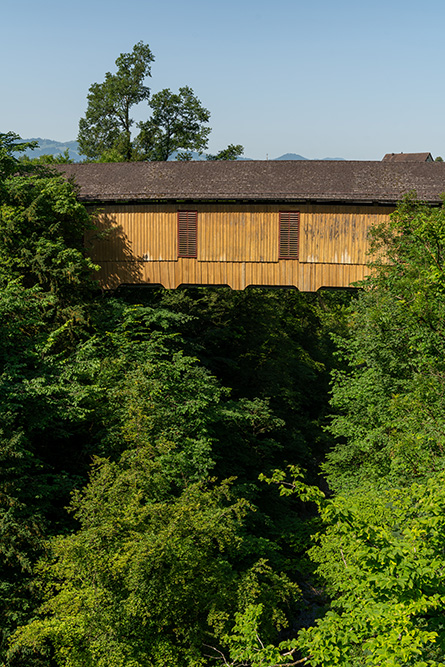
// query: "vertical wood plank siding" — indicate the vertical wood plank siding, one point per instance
point(238, 245)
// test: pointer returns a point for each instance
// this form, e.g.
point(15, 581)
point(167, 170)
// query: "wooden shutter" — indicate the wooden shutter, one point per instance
point(187, 233)
point(288, 235)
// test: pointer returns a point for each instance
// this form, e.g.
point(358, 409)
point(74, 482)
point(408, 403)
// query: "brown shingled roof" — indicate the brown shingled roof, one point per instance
point(408, 157)
point(292, 181)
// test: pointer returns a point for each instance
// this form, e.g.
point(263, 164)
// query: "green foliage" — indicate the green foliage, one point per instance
point(381, 557)
point(269, 344)
point(295, 486)
point(245, 646)
point(272, 348)
point(155, 562)
point(178, 123)
point(41, 227)
point(50, 158)
point(151, 576)
point(128, 381)
point(177, 126)
point(232, 152)
point(44, 278)
point(107, 122)
point(154, 393)
point(390, 397)
point(11, 143)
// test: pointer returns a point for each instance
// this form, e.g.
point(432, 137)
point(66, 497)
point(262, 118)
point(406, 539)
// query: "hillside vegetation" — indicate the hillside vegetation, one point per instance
point(199, 476)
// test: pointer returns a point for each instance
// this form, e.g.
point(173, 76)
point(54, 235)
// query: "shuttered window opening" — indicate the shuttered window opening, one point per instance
point(289, 235)
point(187, 233)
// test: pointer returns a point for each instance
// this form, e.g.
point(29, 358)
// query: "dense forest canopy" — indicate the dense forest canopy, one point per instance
point(200, 476)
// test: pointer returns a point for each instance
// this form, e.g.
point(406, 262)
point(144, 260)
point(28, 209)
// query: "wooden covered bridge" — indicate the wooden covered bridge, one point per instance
point(274, 223)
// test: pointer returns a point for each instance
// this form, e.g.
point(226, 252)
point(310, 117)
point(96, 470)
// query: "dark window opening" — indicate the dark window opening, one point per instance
point(289, 235)
point(187, 233)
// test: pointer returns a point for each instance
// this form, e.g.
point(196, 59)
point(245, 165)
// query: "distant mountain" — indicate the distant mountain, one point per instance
point(51, 147)
point(294, 156)
point(290, 156)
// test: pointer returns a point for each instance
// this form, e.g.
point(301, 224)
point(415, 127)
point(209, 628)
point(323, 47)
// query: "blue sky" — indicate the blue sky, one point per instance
point(322, 78)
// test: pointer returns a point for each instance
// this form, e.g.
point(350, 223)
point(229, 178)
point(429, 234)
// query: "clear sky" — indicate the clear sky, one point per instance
point(322, 78)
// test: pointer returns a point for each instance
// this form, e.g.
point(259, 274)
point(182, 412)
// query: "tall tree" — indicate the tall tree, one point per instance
point(178, 123)
point(381, 560)
point(11, 143)
point(390, 399)
point(42, 226)
point(153, 575)
point(107, 124)
point(44, 280)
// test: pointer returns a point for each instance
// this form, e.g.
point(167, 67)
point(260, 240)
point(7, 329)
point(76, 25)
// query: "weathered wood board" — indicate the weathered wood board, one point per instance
point(237, 245)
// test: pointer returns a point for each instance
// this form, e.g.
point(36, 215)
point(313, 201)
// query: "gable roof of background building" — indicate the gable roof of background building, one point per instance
point(408, 157)
point(384, 182)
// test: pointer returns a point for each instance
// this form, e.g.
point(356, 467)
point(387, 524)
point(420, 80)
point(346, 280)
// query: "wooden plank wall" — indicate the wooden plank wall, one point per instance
point(237, 245)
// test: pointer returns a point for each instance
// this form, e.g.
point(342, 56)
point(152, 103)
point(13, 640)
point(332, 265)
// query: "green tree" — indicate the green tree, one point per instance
point(42, 226)
point(273, 349)
point(178, 124)
point(45, 280)
point(128, 385)
point(10, 165)
point(107, 122)
point(49, 158)
point(381, 559)
point(269, 344)
point(232, 152)
point(389, 399)
point(153, 575)
point(143, 386)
